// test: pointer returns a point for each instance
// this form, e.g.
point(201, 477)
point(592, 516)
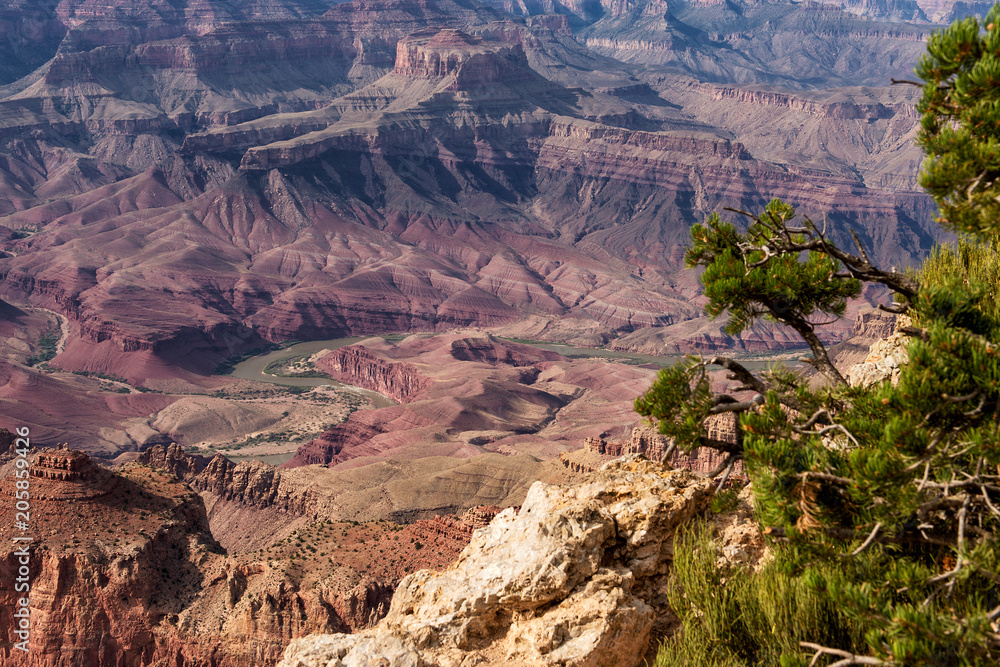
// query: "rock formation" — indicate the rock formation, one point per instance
point(598, 451)
point(406, 177)
point(357, 366)
point(465, 393)
point(885, 356)
point(573, 578)
point(173, 459)
point(125, 571)
point(113, 557)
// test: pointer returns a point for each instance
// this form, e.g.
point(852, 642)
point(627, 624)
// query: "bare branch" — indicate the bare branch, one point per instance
point(726, 462)
point(973, 484)
point(923, 481)
point(826, 429)
point(822, 413)
point(723, 408)
point(895, 309)
point(868, 542)
point(725, 475)
point(670, 451)
point(960, 399)
point(986, 497)
point(861, 248)
point(916, 332)
point(848, 658)
point(741, 372)
point(824, 477)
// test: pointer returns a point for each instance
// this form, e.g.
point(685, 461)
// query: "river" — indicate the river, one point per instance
point(253, 368)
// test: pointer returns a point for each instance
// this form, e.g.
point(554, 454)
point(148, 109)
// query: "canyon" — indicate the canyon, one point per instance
point(128, 556)
point(186, 184)
point(442, 166)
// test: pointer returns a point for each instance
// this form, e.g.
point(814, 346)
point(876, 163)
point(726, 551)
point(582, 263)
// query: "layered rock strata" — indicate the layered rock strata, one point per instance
point(573, 578)
point(173, 459)
point(124, 571)
point(357, 366)
point(598, 451)
point(402, 177)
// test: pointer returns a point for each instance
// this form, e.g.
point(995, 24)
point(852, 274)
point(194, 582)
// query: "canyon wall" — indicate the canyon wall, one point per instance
point(492, 172)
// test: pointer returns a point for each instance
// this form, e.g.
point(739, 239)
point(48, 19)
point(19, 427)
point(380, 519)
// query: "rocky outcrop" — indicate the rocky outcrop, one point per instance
point(885, 357)
point(647, 442)
point(823, 108)
point(357, 366)
point(250, 482)
point(439, 53)
point(174, 459)
point(873, 323)
point(480, 517)
point(449, 527)
point(113, 557)
point(124, 564)
point(738, 536)
point(573, 578)
point(644, 441)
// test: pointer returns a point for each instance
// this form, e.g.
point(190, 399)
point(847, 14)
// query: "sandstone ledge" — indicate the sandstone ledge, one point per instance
point(574, 578)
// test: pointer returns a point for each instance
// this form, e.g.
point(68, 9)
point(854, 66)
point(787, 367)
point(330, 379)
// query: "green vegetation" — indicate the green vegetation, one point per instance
point(958, 126)
point(102, 376)
point(286, 368)
point(106, 386)
point(726, 499)
point(731, 618)
point(971, 263)
point(47, 344)
point(882, 502)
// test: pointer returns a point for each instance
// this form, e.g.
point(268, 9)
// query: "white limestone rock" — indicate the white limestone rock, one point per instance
point(574, 579)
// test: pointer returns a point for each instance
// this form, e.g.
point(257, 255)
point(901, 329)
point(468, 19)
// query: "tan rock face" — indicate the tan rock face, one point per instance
point(573, 578)
point(174, 460)
point(885, 357)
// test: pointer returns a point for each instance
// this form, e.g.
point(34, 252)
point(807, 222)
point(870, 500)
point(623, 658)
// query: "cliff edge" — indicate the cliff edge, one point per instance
point(574, 578)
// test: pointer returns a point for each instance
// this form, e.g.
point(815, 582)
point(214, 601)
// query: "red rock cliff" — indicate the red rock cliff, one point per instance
point(357, 366)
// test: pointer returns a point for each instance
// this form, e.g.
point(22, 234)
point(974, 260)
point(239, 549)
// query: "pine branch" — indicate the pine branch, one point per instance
point(848, 658)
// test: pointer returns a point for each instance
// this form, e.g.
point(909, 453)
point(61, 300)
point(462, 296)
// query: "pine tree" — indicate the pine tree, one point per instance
point(884, 499)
